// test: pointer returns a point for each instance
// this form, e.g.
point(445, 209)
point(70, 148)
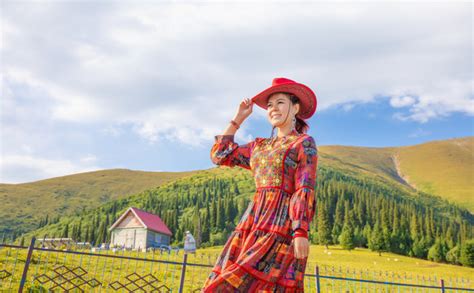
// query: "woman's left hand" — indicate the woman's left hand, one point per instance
point(301, 247)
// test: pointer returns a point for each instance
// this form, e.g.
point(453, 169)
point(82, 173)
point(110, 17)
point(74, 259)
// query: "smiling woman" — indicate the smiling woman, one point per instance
point(279, 103)
point(268, 249)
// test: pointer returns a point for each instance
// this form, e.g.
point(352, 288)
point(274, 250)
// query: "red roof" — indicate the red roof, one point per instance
point(150, 221)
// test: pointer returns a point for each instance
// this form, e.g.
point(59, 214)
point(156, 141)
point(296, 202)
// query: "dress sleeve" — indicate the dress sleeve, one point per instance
point(226, 152)
point(303, 200)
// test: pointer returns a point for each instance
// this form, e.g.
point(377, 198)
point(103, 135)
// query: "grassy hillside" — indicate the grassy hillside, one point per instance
point(24, 205)
point(211, 202)
point(407, 169)
point(442, 167)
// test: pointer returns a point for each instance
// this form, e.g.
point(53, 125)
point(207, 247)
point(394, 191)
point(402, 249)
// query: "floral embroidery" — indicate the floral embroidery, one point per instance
point(259, 254)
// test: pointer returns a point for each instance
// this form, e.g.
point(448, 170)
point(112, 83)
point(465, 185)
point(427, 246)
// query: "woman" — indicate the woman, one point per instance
point(268, 250)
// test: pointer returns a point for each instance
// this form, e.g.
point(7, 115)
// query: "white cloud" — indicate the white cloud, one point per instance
point(438, 101)
point(347, 107)
point(404, 101)
point(24, 168)
point(177, 71)
point(88, 159)
point(131, 57)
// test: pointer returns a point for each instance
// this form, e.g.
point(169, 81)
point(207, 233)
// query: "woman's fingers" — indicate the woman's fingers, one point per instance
point(247, 102)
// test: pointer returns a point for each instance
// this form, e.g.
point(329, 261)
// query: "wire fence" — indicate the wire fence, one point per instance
point(35, 268)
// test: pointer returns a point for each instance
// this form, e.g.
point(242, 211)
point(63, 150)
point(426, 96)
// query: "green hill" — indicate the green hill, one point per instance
point(443, 168)
point(363, 192)
point(25, 205)
point(379, 214)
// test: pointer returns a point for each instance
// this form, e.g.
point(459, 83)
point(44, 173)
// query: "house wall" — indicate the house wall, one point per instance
point(130, 221)
point(129, 237)
point(156, 239)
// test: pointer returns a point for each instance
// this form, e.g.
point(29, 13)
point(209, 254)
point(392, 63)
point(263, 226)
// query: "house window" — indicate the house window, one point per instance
point(157, 238)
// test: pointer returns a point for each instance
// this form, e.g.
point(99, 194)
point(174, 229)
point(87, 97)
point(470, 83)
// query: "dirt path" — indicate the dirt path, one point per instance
point(403, 178)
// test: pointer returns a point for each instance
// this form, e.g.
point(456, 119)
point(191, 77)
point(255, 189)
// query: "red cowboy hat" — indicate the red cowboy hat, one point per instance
point(308, 101)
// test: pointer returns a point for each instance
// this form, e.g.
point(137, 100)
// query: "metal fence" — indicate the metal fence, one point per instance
point(39, 269)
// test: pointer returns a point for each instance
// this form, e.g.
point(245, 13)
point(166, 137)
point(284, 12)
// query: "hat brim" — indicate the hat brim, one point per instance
point(308, 100)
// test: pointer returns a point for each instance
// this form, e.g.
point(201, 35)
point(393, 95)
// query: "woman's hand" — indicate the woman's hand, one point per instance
point(244, 110)
point(301, 247)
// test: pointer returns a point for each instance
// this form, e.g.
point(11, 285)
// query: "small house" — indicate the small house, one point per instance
point(139, 229)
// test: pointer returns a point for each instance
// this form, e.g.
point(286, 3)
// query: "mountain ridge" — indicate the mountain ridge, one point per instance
point(69, 194)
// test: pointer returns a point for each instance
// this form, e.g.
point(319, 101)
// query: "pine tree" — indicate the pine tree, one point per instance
point(93, 234)
point(376, 241)
point(450, 236)
point(220, 215)
point(438, 251)
point(394, 242)
point(79, 231)
point(347, 237)
point(101, 234)
point(197, 226)
point(87, 237)
point(214, 216)
point(241, 207)
point(206, 227)
point(106, 229)
point(467, 253)
point(338, 221)
point(385, 217)
point(73, 232)
point(414, 230)
point(324, 229)
point(453, 255)
point(65, 233)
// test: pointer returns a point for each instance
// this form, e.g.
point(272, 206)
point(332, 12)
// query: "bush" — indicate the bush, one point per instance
point(438, 251)
point(420, 248)
point(453, 255)
point(217, 238)
point(467, 253)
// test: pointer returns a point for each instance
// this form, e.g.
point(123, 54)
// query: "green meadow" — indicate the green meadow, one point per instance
point(112, 272)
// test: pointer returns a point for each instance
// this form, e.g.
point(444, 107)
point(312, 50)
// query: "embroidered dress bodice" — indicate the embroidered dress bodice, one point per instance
point(272, 164)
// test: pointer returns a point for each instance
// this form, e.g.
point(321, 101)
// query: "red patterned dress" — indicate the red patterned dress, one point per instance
point(259, 254)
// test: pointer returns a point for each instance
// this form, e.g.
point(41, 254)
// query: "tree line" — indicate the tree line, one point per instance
point(351, 212)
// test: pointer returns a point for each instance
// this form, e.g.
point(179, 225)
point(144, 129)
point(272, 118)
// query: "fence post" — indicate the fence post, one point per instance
point(27, 264)
point(183, 272)
point(442, 285)
point(316, 272)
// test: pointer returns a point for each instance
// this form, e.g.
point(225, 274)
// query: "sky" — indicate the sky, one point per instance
point(143, 85)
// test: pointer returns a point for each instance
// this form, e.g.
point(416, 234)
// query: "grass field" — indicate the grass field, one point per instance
point(130, 273)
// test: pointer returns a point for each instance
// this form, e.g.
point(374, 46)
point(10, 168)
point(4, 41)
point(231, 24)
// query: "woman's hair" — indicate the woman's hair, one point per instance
point(301, 126)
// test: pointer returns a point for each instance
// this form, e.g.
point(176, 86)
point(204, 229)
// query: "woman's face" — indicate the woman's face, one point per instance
point(277, 109)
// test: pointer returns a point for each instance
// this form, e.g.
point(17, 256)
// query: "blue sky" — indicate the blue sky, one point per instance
point(146, 85)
